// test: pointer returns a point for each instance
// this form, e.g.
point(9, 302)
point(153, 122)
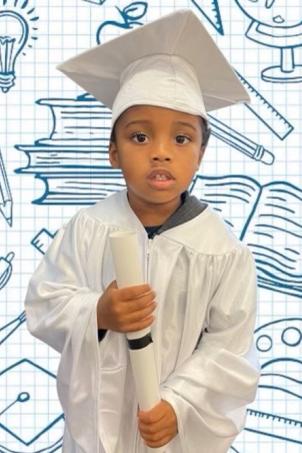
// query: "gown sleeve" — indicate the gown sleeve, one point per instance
point(61, 311)
point(210, 390)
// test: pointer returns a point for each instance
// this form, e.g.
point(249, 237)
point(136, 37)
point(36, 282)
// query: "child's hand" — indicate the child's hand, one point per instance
point(159, 425)
point(126, 309)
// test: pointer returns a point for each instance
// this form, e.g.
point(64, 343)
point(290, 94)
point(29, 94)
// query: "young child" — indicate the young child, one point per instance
point(199, 296)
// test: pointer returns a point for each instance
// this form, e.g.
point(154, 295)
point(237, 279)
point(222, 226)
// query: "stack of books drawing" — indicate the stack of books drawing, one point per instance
point(73, 162)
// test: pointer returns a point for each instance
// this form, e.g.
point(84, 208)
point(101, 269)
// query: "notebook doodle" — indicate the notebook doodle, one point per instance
point(268, 220)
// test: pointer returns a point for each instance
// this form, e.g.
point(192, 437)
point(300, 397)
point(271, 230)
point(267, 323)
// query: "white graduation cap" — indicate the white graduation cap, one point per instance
point(171, 62)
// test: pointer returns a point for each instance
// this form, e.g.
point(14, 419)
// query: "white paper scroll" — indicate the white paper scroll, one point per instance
point(128, 270)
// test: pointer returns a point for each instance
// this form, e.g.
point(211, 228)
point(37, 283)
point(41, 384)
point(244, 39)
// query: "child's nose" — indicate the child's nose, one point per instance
point(161, 152)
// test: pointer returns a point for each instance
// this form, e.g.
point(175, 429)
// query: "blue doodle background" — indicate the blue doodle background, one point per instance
point(53, 160)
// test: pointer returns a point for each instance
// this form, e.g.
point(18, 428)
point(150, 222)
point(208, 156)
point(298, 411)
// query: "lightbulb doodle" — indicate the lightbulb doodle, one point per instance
point(18, 25)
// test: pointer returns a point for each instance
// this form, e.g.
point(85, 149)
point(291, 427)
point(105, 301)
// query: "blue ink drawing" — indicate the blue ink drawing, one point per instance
point(6, 268)
point(266, 112)
point(211, 11)
point(278, 25)
point(8, 329)
point(42, 240)
point(96, 2)
point(15, 24)
point(73, 162)
point(275, 413)
point(30, 396)
point(6, 201)
point(266, 217)
point(240, 142)
point(130, 16)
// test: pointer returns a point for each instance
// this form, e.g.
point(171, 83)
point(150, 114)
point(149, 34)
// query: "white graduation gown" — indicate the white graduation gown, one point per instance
point(204, 279)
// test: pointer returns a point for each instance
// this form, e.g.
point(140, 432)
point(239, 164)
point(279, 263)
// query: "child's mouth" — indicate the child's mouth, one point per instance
point(160, 179)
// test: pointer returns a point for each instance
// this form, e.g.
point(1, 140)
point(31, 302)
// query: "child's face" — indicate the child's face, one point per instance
point(158, 151)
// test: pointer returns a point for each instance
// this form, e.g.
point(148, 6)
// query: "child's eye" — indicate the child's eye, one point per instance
point(182, 139)
point(139, 137)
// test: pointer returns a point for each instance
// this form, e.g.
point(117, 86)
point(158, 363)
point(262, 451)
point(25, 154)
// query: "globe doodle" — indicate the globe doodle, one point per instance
point(274, 13)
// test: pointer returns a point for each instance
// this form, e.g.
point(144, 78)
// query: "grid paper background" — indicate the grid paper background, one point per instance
point(251, 174)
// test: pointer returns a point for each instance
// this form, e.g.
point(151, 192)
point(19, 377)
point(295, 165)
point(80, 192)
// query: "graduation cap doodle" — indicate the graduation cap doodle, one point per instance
point(31, 417)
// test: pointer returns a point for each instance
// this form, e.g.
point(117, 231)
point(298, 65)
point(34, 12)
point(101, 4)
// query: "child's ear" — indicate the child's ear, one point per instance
point(113, 155)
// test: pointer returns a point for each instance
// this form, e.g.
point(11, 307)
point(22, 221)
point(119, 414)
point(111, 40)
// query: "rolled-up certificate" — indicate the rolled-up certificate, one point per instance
point(128, 270)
